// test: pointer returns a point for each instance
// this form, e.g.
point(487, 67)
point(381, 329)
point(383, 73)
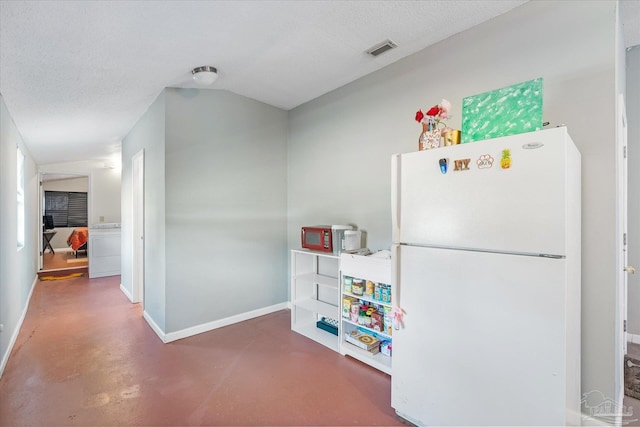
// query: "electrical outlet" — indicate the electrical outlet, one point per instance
point(101, 219)
point(1, 327)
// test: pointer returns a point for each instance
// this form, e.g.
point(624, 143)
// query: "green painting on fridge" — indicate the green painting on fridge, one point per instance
point(501, 112)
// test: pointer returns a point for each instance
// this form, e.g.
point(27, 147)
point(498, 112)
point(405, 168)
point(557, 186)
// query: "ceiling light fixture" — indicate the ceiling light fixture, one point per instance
point(205, 75)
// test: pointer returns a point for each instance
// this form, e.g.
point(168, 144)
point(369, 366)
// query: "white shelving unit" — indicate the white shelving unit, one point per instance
point(315, 293)
point(377, 270)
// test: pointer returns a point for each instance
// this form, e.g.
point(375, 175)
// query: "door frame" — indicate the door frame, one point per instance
point(137, 227)
point(70, 175)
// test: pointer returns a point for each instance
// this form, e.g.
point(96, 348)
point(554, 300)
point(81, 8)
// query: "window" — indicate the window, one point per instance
point(20, 198)
point(67, 208)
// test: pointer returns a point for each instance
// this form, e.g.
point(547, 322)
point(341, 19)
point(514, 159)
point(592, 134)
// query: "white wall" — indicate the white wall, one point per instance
point(225, 206)
point(340, 144)
point(79, 185)
point(633, 120)
point(17, 268)
point(59, 240)
point(148, 134)
point(105, 195)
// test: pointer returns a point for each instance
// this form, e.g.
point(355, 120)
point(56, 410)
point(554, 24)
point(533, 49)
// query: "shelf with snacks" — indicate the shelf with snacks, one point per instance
point(379, 334)
point(366, 298)
point(315, 296)
point(351, 345)
point(366, 312)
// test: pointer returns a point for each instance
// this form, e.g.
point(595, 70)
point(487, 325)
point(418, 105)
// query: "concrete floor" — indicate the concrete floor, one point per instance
point(85, 356)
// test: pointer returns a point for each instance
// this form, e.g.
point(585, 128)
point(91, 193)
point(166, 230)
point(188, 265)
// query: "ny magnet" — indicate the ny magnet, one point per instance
point(461, 165)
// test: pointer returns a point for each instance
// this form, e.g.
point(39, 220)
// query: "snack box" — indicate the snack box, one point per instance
point(362, 340)
point(346, 305)
point(377, 321)
point(385, 348)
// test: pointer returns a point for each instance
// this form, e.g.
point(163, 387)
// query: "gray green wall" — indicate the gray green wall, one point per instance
point(149, 135)
point(226, 201)
point(357, 128)
point(215, 207)
point(17, 267)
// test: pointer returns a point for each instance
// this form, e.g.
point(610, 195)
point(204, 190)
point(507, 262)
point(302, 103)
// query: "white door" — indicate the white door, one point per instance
point(625, 269)
point(623, 182)
point(484, 339)
point(137, 194)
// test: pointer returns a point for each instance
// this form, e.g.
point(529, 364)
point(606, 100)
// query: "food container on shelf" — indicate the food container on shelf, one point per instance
point(348, 283)
point(357, 287)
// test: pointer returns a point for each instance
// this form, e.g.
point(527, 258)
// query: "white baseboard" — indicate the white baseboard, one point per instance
point(14, 335)
point(159, 332)
point(205, 327)
point(289, 305)
point(633, 338)
point(126, 292)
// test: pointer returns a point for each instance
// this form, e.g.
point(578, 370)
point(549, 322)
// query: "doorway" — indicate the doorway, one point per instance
point(63, 201)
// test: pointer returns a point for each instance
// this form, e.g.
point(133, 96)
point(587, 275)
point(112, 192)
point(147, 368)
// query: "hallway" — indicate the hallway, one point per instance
point(85, 356)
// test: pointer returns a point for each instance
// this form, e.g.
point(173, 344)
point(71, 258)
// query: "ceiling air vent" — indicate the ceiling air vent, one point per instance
point(381, 48)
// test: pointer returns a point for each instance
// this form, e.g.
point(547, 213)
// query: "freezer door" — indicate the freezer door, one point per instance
point(481, 203)
point(484, 340)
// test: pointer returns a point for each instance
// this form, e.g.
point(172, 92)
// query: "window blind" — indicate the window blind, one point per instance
point(68, 209)
point(77, 213)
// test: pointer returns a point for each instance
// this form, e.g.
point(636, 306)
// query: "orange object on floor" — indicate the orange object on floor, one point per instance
point(62, 277)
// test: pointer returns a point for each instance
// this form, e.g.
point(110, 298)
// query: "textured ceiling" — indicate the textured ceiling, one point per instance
point(77, 75)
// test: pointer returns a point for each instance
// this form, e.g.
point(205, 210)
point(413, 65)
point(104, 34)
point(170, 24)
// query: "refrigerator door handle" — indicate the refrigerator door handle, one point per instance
point(395, 197)
point(397, 314)
point(395, 274)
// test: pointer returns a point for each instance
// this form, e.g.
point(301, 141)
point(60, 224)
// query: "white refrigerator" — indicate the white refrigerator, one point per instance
point(486, 266)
